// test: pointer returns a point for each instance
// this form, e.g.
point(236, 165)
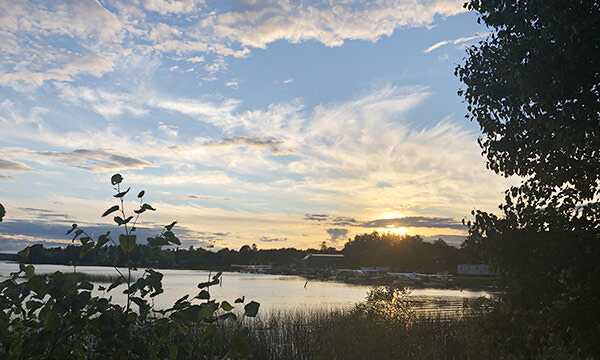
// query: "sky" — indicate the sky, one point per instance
point(279, 123)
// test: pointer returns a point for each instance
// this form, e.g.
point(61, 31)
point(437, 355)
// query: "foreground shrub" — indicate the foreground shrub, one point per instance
point(56, 317)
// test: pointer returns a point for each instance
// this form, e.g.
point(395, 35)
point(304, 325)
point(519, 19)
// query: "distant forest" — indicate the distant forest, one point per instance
point(400, 252)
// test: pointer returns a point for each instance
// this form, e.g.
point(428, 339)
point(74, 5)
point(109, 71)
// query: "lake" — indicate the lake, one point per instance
point(273, 292)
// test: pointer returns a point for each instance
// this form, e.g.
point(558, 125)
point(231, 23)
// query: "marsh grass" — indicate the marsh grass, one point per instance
point(384, 326)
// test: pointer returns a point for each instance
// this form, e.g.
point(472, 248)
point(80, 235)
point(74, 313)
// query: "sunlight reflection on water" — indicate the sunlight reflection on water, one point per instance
point(273, 292)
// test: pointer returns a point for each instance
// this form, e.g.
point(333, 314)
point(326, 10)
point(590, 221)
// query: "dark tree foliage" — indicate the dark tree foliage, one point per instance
point(534, 88)
point(401, 252)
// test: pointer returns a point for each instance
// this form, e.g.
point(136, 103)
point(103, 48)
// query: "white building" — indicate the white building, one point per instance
point(475, 269)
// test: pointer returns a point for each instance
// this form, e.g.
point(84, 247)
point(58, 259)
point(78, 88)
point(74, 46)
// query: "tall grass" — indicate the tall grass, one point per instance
point(386, 326)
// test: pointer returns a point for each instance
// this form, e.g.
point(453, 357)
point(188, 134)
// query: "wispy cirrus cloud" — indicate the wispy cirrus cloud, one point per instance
point(273, 144)
point(204, 197)
point(95, 160)
point(457, 41)
point(13, 166)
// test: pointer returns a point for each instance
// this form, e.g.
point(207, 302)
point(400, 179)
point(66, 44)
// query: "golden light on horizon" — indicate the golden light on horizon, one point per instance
point(393, 230)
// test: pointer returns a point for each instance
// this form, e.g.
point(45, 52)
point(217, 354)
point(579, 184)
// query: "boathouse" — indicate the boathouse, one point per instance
point(323, 260)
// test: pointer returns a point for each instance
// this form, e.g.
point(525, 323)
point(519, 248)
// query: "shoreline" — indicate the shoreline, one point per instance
point(449, 281)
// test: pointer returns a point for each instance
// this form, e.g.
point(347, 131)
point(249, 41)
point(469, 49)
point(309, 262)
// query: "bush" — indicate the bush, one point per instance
point(51, 317)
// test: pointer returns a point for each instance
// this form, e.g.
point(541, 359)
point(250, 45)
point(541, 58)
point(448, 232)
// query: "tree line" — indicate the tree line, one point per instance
point(399, 252)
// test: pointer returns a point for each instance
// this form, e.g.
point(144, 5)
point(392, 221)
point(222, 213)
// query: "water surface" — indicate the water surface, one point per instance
point(273, 292)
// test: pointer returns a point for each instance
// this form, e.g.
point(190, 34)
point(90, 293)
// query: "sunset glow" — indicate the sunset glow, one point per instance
point(328, 123)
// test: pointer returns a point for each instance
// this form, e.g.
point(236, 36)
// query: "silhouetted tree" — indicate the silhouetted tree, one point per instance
point(534, 88)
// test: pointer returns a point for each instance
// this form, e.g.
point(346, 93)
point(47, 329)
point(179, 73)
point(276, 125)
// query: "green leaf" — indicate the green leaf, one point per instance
point(251, 309)
point(33, 305)
point(226, 306)
point(120, 220)
point(149, 207)
point(127, 242)
point(51, 321)
point(102, 239)
point(141, 194)
point(86, 285)
point(228, 315)
point(85, 239)
point(240, 345)
point(240, 300)
point(157, 241)
point(207, 311)
point(37, 283)
point(29, 271)
point(182, 299)
point(122, 193)
point(111, 210)
point(71, 230)
point(85, 249)
point(203, 295)
point(209, 332)
point(118, 281)
point(77, 233)
point(116, 179)
point(2, 212)
point(208, 283)
point(189, 314)
point(170, 226)
point(173, 351)
point(171, 238)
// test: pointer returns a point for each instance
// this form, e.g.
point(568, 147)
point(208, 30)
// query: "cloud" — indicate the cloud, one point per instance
point(329, 23)
point(333, 220)
point(197, 197)
point(337, 234)
point(196, 59)
point(108, 37)
point(45, 214)
point(172, 6)
point(272, 239)
point(415, 221)
point(106, 103)
point(184, 178)
point(92, 160)
point(219, 115)
point(32, 59)
point(275, 145)
point(409, 221)
point(13, 166)
point(232, 84)
point(455, 41)
point(76, 64)
point(51, 231)
point(316, 217)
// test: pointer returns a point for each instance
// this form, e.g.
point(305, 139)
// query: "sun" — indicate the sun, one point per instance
point(393, 230)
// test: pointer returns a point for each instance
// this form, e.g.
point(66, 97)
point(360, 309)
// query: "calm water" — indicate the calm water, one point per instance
point(273, 292)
